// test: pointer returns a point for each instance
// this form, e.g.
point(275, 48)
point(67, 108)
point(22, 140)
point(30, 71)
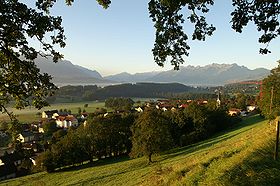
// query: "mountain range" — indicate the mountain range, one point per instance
point(66, 73)
point(209, 75)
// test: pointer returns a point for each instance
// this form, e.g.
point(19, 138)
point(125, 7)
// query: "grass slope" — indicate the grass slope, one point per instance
point(241, 156)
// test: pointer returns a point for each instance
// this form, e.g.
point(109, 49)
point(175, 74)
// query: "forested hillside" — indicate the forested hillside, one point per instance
point(143, 90)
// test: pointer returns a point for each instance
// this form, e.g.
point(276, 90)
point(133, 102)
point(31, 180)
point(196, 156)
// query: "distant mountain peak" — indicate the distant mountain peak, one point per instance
point(209, 75)
point(66, 73)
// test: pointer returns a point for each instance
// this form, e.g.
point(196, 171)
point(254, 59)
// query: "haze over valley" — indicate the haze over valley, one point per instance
point(66, 73)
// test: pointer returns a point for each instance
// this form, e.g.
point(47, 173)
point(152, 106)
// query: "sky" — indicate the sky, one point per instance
point(120, 38)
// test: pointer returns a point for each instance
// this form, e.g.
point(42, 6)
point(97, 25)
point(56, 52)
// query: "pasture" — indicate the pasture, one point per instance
point(240, 156)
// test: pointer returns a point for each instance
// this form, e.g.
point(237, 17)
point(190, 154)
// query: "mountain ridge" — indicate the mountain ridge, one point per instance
point(66, 73)
point(212, 74)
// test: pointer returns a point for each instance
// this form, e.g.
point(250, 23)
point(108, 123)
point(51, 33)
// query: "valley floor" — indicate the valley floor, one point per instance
point(241, 156)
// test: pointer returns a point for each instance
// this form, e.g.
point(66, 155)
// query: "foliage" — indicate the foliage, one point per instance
point(49, 127)
point(239, 156)
point(119, 103)
point(171, 40)
point(100, 137)
point(143, 90)
point(57, 135)
point(15, 128)
point(240, 101)
point(20, 79)
point(5, 140)
point(270, 100)
point(150, 134)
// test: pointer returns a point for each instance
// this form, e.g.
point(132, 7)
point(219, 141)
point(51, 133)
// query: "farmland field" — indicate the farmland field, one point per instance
point(30, 114)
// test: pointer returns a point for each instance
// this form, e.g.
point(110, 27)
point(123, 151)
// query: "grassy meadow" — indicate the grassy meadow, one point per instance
point(29, 114)
point(240, 156)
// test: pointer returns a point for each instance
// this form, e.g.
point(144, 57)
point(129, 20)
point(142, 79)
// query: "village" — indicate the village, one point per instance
point(35, 137)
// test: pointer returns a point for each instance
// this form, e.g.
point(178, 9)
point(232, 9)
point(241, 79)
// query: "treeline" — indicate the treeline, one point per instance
point(135, 134)
point(252, 89)
point(147, 90)
point(100, 137)
point(119, 103)
point(190, 96)
point(143, 90)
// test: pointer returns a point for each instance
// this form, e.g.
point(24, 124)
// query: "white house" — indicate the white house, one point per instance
point(26, 136)
point(139, 109)
point(250, 108)
point(49, 114)
point(234, 112)
point(66, 121)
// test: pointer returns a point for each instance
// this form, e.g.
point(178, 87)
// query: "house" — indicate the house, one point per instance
point(66, 121)
point(183, 106)
point(251, 108)
point(173, 109)
point(202, 102)
point(1, 162)
point(234, 112)
point(49, 114)
point(84, 115)
point(139, 109)
point(26, 136)
point(163, 101)
point(41, 130)
point(164, 107)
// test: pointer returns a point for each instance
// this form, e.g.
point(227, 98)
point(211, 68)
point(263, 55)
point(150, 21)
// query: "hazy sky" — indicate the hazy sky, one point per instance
point(121, 38)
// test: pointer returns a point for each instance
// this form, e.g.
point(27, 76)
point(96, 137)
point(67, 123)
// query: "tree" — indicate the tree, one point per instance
point(119, 103)
point(20, 80)
point(79, 110)
point(150, 134)
point(270, 99)
point(49, 128)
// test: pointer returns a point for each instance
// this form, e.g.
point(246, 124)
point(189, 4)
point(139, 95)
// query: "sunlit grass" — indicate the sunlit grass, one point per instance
point(30, 114)
point(241, 156)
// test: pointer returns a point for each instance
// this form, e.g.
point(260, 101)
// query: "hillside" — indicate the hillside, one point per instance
point(65, 73)
point(144, 90)
point(209, 75)
point(241, 156)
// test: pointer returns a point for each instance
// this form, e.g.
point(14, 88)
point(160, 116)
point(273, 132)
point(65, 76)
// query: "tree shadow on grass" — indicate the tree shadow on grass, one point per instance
point(190, 149)
point(96, 163)
point(222, 136)
point(257, 169)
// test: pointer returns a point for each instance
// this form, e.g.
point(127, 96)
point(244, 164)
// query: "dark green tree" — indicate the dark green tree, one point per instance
point(20, 80)
point(79, 110)
point(270, 99)
point(150, 134)
point(119, 103)
point(49, 128)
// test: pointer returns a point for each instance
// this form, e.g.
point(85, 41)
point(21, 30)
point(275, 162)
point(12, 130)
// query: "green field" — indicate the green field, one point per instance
point(29, 114)
point(241, 156)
